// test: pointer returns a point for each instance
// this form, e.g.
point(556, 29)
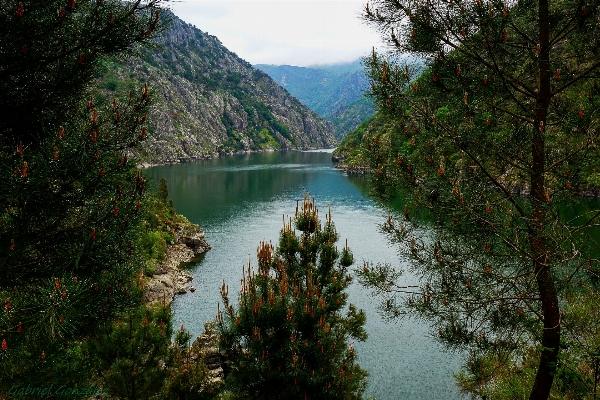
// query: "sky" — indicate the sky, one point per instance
point(284, 32)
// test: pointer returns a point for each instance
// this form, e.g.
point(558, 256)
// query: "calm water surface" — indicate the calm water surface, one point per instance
point(240, 200)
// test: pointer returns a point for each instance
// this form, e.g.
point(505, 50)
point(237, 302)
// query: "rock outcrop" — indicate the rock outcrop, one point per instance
point(206, 349)
point(193, 239)
point(168, 279)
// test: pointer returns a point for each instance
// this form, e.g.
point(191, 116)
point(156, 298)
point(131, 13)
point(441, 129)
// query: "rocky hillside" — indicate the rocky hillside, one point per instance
point(208, 101)
point(335, 92)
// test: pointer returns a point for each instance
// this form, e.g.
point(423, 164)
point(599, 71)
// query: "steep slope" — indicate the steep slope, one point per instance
point(334, 91)
point(349, 90)
point(347, 118)
point(312, 86)
point(208, 101)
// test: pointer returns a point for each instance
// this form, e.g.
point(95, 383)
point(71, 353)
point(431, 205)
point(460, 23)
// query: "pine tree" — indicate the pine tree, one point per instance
point(163, 191)
point(71, 196)
point(131, 352)
point(287, 338)
point(508, 102)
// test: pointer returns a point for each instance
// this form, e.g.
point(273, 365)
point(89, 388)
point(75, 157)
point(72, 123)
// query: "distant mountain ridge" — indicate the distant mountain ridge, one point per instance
point(208, 101)
point(335, 92)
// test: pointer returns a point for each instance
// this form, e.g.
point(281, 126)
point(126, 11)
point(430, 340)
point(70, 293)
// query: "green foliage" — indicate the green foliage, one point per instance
point(70, 196)
point(111, 85)
point(234, 78)
point(494, 115)
point(353, 151)
point(163, 191)
point(264, 112)
point(288, 336)
point(153, 245)
point(134, 358)
point(129, 351)
point(264, 140)
point(157, 230)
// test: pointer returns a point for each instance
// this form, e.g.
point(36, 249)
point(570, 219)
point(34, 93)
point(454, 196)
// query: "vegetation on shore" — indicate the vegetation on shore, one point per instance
point(78, 228)
point(509, 100)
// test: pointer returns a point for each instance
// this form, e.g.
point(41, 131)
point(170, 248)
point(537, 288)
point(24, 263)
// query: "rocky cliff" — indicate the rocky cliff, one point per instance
point(208, 101)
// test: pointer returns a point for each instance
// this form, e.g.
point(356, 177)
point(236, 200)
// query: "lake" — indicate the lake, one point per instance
point(240, 200)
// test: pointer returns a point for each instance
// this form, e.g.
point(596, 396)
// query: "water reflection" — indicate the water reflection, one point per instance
point(240, 200)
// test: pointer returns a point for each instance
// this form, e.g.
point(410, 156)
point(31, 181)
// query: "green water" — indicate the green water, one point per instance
point(240, 200)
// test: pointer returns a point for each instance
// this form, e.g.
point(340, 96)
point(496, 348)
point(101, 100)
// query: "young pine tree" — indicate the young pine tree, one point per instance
point(509, 101)
point(132, 351)
point(163, 191)
point(287, 338)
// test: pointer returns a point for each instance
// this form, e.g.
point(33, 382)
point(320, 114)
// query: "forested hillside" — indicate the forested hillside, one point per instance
point(335, 92)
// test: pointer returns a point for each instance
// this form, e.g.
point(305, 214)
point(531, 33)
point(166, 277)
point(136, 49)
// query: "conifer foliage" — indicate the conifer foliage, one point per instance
point(132, 352)
point(288, 338)
point(71, 196)
point(508, 104)
point(163, 191)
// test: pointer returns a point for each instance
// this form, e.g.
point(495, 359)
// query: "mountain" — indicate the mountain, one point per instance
point(208, 101)
point(347, 118)
point(335, 92)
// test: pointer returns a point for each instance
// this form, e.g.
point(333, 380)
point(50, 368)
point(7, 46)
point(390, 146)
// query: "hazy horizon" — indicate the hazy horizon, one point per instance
point(301, 33)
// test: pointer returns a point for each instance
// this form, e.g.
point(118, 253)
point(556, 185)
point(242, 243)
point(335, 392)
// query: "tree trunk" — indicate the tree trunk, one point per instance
point(547, 290)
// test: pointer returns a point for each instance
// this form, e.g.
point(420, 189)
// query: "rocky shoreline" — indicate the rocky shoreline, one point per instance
point(340, 163)
point(168, 279)
point(205, 349)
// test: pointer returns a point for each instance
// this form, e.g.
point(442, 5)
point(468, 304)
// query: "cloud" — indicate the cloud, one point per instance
point(284, 31)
